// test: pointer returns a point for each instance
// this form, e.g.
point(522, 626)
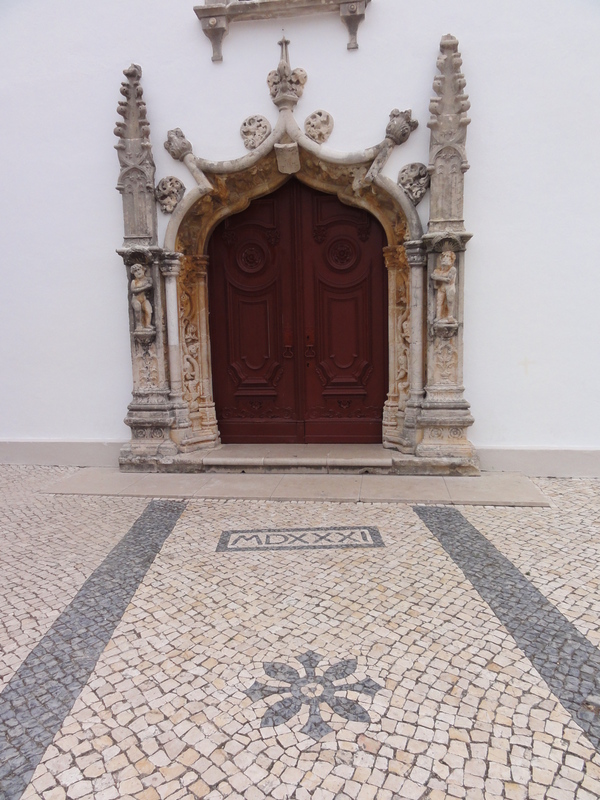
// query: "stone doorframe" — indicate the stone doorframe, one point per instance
point(172, 412)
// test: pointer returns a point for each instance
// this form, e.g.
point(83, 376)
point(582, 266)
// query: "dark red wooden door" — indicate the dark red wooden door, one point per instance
point(298, 321)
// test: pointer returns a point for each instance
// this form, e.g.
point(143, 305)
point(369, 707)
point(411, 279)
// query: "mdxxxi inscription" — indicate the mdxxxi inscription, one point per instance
point(299, 539)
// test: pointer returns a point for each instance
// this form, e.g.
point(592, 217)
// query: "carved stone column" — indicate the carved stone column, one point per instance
point(195, 353)
point(416, 257)
point(170, 268)
point(149, 415)
point(445, 415)
point(399, 336)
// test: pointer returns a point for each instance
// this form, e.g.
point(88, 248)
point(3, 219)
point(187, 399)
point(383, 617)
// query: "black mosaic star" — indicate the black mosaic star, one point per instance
point(312, 690)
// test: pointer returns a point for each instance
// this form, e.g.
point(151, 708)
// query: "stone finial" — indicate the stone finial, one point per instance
point(449, 108)
point(447, 154)
point(177, 145)
point(400, 126)
point(133, 109)
point(286, 85)
point(136, 179)
point(398, 129)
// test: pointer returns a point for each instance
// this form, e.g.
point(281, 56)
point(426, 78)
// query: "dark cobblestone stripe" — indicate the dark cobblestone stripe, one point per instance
point(41, 693)
point(563, 656)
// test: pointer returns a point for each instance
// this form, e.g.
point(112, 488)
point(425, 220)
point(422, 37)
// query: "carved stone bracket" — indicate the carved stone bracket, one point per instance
point(216, 15)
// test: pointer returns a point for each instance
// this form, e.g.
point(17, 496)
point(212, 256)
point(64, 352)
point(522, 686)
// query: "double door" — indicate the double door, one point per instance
point(298, 321)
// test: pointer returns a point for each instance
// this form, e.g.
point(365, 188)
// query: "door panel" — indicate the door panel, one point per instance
point(298, 321)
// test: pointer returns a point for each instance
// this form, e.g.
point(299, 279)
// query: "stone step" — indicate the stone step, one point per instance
point(335, 459)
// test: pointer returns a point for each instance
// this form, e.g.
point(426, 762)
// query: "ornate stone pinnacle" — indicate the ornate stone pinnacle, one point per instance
point(286, 85)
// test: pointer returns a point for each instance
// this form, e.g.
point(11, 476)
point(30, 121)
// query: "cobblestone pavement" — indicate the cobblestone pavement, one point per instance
point(249, 649)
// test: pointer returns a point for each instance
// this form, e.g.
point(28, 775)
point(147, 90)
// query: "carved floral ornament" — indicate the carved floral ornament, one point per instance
point(286, 139)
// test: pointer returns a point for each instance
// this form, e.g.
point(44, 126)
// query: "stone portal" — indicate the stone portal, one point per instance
point(424, 413)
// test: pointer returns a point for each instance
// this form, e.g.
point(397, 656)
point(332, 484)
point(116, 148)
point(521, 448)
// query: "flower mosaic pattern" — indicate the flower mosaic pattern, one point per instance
point(312, 690)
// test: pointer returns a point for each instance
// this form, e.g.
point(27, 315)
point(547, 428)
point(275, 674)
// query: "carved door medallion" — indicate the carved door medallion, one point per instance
point(298, 321)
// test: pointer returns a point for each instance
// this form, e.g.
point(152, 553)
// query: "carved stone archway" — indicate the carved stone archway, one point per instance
point(235, 192)
point(172, 412)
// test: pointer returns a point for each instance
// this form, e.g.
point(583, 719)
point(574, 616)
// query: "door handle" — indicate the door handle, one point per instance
point(310, 351)
point(288, 352)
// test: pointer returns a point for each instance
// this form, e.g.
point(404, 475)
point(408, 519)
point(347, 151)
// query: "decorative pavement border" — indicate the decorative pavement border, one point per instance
point(41, 693)
point(563, 656)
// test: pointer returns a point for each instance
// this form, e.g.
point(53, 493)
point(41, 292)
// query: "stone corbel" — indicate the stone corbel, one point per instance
point(215, 15)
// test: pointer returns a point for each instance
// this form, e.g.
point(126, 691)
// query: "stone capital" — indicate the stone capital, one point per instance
point(170, 265)
point(196, 266)
point(416, 254)
point(446, 240)
point(394, 257)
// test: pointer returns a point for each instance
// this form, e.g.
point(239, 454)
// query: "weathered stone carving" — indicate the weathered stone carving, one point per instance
point(444, 277)
point(425, 414)
point(136, 179)
point(180, 149)
point(141, 289)
point(154, 411)
point(285, 84)
point(254, 131)
point(215, 16)
point(319, 126)
point(445, 412)
point(169, 192)
point(414, 179)
point(447, 154)
point(399, 128)
point(177, 145)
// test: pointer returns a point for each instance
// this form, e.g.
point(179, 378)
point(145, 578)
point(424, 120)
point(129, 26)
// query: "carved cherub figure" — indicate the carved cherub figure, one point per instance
point(444, 277)
point(142, 308)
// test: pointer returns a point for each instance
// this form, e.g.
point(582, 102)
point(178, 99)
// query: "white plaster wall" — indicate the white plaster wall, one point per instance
point(532, 360)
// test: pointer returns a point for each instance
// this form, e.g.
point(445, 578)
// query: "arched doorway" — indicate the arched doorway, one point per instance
point(298, 327)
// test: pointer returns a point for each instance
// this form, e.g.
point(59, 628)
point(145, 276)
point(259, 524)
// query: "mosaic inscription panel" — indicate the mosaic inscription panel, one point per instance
point(299, 539)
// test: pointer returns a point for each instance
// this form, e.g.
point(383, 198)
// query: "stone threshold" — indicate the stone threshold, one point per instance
point(491, 489)
point(334, 459)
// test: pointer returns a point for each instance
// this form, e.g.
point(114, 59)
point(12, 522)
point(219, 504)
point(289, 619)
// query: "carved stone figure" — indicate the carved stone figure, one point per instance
point(444, 278)
point(319, 126)
point(141, 286)
point(254, 131)
point(177, 145)
point(168, 193)
point(414, 179)
point(286, 85)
